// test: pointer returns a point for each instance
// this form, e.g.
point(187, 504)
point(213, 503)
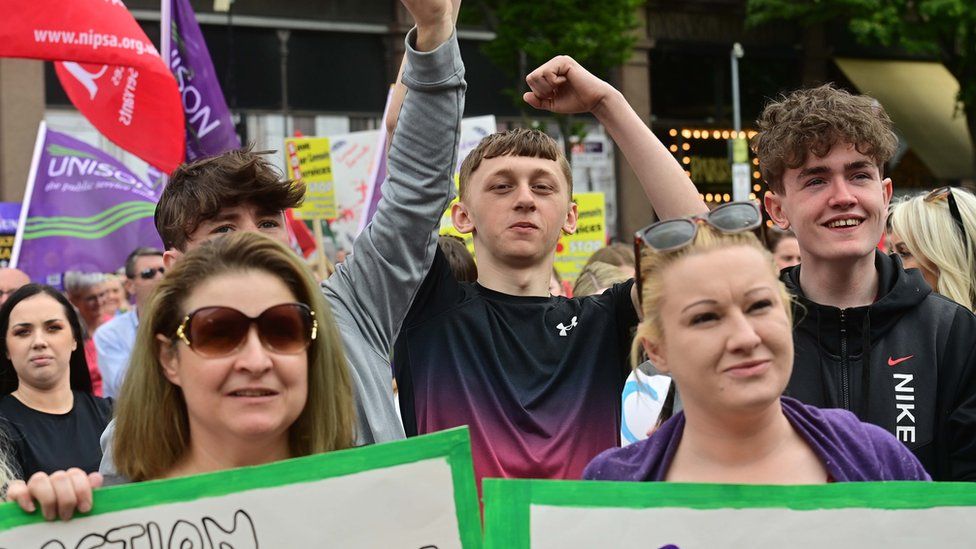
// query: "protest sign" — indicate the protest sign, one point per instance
point(309, 159)
point(573, 250)
point(377, 169)
point(356, 179)
point(411, 494)
point(107, 66)
point(594, 169)
point(353, 157)
point(83, 210)
point(586, 514)
point(473, 130)
point(642, 400)
point(9, 214)
point(209, 127)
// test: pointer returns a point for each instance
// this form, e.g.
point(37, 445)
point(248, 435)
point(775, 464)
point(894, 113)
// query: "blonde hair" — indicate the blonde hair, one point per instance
point(654, 264)
point(932, 236)
point(597, 275)
point(152, 424)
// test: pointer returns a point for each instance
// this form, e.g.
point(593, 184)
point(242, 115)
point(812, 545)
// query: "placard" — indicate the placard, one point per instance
point(309, 159)
point(573, 250)
point(410, 494)
point(545, 514)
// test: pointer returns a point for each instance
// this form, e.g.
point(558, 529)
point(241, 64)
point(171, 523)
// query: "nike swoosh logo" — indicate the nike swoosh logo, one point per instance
point(897, 361)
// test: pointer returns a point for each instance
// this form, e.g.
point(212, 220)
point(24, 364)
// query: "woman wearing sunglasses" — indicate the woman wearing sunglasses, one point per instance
point(237, 362)
point(717, 319)
point(936, 233)
point(48, 413)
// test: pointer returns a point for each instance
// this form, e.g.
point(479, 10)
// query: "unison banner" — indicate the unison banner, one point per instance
point(209, 128)
point(83, 210)
point(410, 494)
point(108, 67)
point(545, 514)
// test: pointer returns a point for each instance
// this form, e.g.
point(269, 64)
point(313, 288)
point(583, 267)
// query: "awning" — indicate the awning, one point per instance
point(920, 97)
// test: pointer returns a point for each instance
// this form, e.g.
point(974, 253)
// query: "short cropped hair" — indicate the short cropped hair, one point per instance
point(517, 142)
point(142, 251)
point(197, 191)
point(76, 282)
point(814, 120)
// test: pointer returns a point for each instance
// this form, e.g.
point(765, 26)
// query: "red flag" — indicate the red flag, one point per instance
point(110, 70)
point(300, 234)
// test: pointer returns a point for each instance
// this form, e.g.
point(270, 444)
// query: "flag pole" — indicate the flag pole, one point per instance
point(28, 193)
point(166, 31)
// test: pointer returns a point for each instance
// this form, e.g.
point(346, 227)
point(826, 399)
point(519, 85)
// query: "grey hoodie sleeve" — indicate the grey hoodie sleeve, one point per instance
point(372, 290)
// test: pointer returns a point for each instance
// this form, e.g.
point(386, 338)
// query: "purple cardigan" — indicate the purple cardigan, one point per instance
point(849, 449)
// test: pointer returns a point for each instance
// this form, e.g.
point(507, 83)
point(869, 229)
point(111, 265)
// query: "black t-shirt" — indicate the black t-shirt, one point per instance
point(536, 379)
point(51, 442)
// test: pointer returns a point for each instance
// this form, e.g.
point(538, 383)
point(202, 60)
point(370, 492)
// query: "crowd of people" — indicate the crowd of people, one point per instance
point(820, 359)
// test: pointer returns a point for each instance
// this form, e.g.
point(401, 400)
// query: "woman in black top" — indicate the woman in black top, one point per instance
point(49, 416)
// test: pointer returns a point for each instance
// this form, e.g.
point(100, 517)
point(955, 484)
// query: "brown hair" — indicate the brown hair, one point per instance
point(617, 254)
point(814, 120)
point(517, 142)
point(595, 276)
point(197, 191)
point(461, 261)
point(152, 422)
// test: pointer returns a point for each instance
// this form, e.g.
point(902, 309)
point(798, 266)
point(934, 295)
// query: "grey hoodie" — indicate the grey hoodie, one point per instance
point(372, 290)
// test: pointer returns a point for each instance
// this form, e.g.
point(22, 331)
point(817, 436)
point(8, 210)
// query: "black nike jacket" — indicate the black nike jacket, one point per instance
point(920, 378)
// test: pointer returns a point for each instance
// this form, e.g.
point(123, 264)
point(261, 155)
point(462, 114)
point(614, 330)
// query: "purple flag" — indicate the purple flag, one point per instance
point(209, 128)
point(377, 171)
point(83, 210)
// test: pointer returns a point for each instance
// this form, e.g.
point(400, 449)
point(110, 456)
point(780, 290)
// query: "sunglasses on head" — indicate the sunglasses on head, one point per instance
point(149, 273)
point(214, 332)
point(674, 234)
point(946, 192)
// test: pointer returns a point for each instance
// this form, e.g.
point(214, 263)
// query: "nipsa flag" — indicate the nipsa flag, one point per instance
point(110, 70)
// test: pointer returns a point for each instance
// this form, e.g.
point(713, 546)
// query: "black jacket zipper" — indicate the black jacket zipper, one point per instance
point(845, 375)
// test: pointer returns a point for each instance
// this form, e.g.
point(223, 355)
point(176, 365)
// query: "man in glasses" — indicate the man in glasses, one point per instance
point(536, 378)
point(115, 339)
point(372, 289)
point(870, 337)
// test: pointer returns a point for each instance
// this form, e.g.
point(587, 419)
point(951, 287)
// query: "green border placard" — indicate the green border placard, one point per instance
point(507, 502)
point(454, 444)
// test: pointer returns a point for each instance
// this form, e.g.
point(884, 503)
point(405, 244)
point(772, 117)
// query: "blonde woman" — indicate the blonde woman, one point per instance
point(717, 319)
point(597, 276)
point(237, 362)
point(936, 233)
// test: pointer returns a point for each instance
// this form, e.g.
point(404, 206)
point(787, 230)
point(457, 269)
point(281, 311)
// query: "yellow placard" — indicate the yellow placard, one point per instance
point(307, 159)
point(573, 250)
point(447, 226)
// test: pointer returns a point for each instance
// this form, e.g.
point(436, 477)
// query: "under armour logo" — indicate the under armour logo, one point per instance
point(564, 330)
